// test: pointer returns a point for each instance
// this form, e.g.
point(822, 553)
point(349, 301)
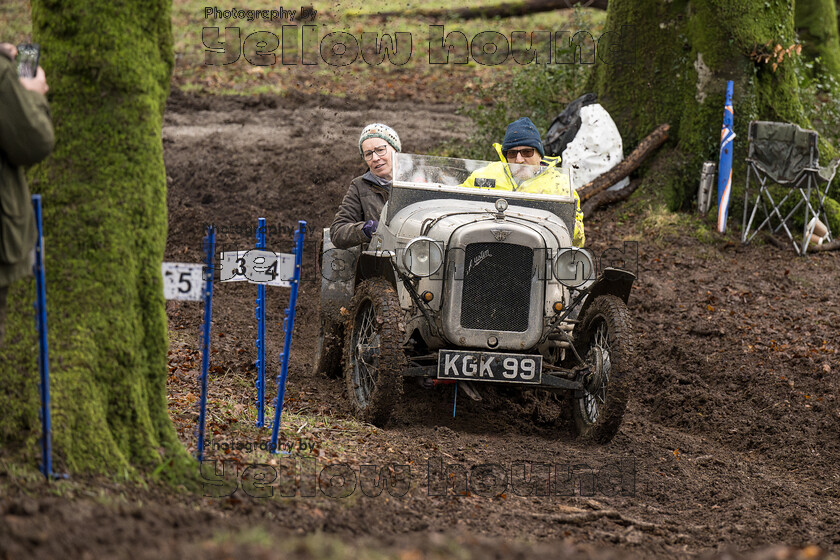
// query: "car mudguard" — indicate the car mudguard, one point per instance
point(338, 277)
point(612, 281)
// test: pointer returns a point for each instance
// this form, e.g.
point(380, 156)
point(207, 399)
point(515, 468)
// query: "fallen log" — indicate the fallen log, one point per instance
point(500, 10)
point(609, 197)
point(627, 165)
point(770, 238)
point(830, 246)
point(589, 516)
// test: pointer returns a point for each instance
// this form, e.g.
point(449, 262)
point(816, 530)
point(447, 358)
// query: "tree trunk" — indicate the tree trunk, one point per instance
point(108, 66)
point(816, 23)
point(685, 51)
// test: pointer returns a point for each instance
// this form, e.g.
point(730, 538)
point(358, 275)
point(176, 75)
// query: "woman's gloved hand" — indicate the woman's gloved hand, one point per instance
point(370, 227)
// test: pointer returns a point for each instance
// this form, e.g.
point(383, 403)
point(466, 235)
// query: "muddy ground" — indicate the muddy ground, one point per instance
point(731, 440)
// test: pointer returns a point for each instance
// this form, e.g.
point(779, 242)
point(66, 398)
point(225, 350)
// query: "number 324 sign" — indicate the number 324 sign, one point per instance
point(258, 266)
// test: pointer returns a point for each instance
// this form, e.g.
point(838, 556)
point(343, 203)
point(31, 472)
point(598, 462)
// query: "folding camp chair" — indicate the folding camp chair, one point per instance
point(787, 155)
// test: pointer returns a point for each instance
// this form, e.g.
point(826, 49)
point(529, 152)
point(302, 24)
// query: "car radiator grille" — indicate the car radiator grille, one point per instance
point(497, 287)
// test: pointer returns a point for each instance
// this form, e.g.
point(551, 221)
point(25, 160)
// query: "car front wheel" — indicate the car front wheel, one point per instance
point(374, 358)
point(604, 339)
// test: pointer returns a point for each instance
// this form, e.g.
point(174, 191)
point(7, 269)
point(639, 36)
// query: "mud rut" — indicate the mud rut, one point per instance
point(732, 429)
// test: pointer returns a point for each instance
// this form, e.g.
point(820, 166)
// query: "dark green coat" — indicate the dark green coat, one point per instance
point(26, 137)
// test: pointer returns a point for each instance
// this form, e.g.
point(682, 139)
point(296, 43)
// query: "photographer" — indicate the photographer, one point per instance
point(26, 137)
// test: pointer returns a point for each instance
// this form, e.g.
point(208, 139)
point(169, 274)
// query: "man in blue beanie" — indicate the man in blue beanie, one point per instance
point(523, 146)
point(523, 133)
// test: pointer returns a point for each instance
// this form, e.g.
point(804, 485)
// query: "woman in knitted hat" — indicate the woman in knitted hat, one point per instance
point(358, 215)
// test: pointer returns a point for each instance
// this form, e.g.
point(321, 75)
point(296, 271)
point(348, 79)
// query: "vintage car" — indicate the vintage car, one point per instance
point(476, 285)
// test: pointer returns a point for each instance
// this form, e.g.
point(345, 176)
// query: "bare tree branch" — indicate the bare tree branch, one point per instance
point(627, 165)
point(609, 197)
point(511, 9)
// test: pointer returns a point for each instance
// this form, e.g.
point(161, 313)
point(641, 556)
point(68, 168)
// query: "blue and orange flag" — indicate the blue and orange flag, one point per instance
point(727, 135)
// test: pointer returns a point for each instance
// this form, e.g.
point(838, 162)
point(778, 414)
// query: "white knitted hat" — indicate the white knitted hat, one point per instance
point(379, 130)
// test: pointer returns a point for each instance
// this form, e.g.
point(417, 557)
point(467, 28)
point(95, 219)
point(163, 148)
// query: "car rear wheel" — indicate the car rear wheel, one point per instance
point(374, 358)
point(604, 339)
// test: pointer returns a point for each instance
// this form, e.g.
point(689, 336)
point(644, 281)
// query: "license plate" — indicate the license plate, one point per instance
point(489, 366)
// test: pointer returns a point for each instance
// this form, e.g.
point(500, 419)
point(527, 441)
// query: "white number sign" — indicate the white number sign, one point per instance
point(258, 266)
point(182, 281)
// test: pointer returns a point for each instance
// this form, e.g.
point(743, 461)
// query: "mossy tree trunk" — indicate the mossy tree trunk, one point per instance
point(108, 65)
point(685, 51)
point(816, 23)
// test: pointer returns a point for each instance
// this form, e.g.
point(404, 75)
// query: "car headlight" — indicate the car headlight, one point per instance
point(423, 256)
point(573, 266)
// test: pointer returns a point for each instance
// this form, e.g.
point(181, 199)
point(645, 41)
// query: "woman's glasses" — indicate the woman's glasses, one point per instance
point(381, 151)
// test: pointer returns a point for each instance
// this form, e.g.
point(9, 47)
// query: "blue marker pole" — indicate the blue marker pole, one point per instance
point(727, 135)
point(261, 336)
point(209, 249)
point(455, 401)
point(288, 326)
point(43, 354)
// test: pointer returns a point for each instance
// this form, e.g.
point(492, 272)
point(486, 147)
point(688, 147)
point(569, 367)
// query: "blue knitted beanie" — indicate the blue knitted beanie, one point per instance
point(522, 132)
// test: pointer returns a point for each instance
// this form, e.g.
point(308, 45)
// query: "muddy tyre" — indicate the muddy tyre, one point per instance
point(328, 349)
point(374, 358)
point(604, 338)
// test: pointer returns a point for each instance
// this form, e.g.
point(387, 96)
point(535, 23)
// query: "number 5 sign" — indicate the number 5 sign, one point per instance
point(182, 281)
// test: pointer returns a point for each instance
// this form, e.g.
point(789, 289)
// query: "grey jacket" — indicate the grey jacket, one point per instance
point(364, 201)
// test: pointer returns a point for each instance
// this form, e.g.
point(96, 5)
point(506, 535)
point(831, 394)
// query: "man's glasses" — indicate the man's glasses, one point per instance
point(526, 153)
point(381, 151)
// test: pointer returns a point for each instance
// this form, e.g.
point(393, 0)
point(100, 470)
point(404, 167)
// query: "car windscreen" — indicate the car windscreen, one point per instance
point(453, 172)
point(419, 178)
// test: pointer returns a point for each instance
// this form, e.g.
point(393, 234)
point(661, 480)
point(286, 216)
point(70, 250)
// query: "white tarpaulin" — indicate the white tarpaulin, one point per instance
point(596, 148)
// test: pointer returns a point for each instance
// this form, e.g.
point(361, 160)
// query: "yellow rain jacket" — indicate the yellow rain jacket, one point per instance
point(549, 181)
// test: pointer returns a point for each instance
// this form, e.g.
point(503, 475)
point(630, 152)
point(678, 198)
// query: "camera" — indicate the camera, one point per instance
point(28, 55)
